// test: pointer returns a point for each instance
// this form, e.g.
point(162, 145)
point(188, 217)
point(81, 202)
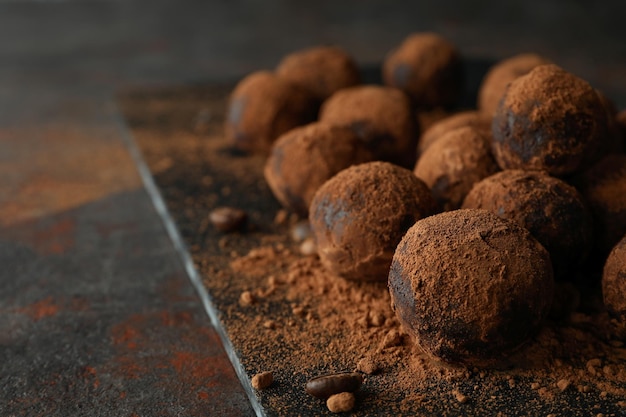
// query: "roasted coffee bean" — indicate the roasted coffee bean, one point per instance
point(228, 219)
point(327, 385)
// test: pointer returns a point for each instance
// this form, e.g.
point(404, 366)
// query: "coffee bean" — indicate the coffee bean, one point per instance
point(327, 385)
point(228, 219)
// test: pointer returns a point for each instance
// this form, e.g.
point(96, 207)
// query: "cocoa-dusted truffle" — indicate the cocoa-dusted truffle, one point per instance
point(454, 163)
point(306, 157)
point(549, 120)
point(501, 75)
point(428, 67)
point(470, 286)
point(262, 107)
point(359, 216)
point(471, 118)
point(321, 70)
point(552, 210)
point(614, 282)
point(603, 187)
point(382, 118)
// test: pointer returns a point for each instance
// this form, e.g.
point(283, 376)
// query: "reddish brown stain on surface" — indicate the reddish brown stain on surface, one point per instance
point(41, 309)
point(203, 395)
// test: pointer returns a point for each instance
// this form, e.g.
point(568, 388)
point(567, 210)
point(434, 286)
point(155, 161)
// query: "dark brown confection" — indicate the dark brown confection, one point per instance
point(501, 75)
point(428, 68)
point(614, 282)
point(466, 118)
point(549, 120)
point(306, 157)
point(321, 70)
point(380, 116)
point(359, 216)
point(603, 187)
point(495, 278)
point(620, 120)
point(454, 163)
point(552, 210)
point(262, 107)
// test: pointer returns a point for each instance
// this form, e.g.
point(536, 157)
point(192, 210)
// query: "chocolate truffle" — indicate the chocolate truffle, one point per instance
point(465, 118)
point(469, 286)
point(380, 116)
point(549, 120)
point(552, 210)
point(306, 157)
point(428, 68)
point(359, 216)
point(620, 121)
point(262, 107)
point(321, 70)
point(614, 282)
point(501, 75)
point(454, 163)
point(603, 187)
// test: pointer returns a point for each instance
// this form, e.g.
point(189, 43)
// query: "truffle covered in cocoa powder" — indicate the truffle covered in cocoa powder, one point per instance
point(359, 216)
point(471, 118)
point(552, 210)
point(614, 282)
point(306, 157)
point(380, 116)
point(321, 70)
point(262, 107)
point(428, 67)
point(603, 187)
point(501, 75)
point(454, 163)
point(549, 120)
point(470, 286)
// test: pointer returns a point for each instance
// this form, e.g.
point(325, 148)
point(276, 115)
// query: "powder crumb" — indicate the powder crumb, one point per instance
point(599, 415)
point(340, 403)
point(246, 299)
point(392, 338)
point(622, 403)
point(281, 217)
point(269, 324)
point(460, 397)
point(535, 386)
point(308, 247)
point(367, 366)
point(262, 380)
point(563, 384)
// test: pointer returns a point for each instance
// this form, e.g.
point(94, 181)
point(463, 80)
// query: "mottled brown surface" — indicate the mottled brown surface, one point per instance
point(549, 119)
point(552, 210)
point(429, 68)
point(469, 286)
point(262, 107)
point(304, 158)
point(452, 122)
point(380, 116)
point(321, 70)
point(614, 282)
point(501, 75)
point(454, 163)
point(359, 216)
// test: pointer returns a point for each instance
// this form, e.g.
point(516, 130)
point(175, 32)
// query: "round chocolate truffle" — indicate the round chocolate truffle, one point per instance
point(321, 70)
point(306, 157)
point(429, 68)
point(501, 75)
point(614, 282)
point(380, 116)
point(359, 216)
point(552, 210)
point(454, 163)
point(262, 107)
point(465, 118)
point(549, 120)
point(470, 286)
point(603, 186)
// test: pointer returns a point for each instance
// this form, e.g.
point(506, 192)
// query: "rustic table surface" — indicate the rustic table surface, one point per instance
point(98, 315)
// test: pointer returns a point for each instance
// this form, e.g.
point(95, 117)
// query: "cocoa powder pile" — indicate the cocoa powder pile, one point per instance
point(286, 314)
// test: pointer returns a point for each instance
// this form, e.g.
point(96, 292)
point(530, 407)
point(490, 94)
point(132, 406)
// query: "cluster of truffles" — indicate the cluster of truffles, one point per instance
point(487, 206)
